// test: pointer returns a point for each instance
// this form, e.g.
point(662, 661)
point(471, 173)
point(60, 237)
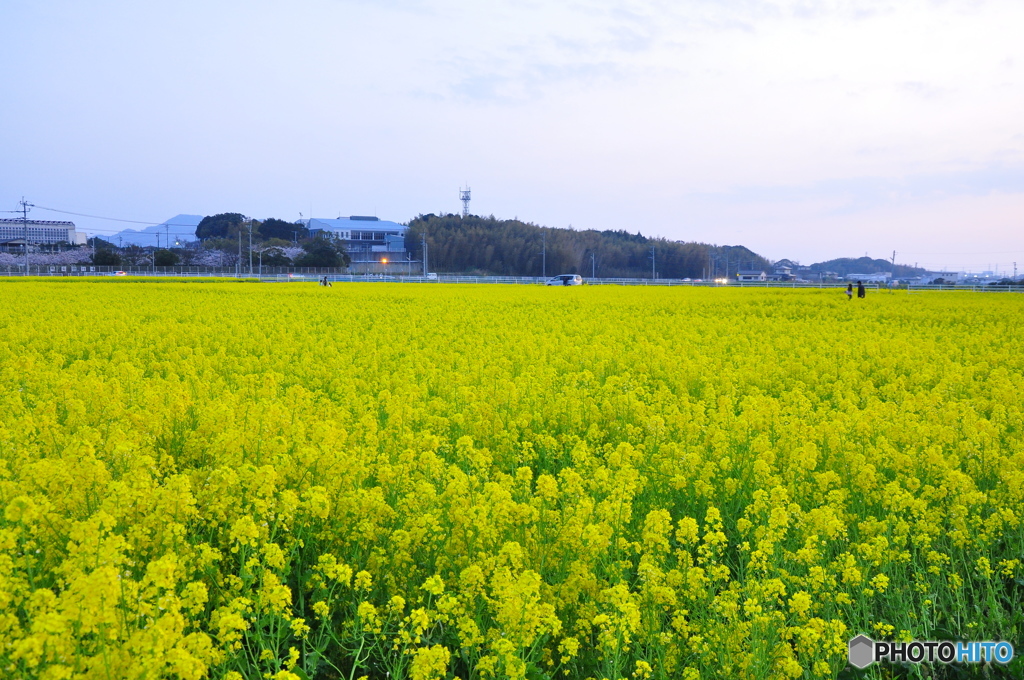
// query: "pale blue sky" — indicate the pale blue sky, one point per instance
point(801, 129)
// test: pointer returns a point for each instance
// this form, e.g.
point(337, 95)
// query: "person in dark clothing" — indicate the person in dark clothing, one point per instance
point(860, 289)
point(849, 291)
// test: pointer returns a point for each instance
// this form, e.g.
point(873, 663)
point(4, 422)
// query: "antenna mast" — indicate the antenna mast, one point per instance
point(464, 197)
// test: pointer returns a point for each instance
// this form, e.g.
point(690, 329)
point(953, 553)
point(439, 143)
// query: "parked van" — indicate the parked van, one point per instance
point(565, 280)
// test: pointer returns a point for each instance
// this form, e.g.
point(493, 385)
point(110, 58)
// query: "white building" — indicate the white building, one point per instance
point(948, 277)
point(751, 275)
point(362, 236)
point(880, 277)
point(40, 232)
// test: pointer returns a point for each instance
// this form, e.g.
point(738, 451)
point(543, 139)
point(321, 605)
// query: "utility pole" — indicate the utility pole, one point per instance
point(250, 246)
point(424, 253)
point(593, 266)
point(892, 273)
point(654, 274)
point(25, 205)
point(544, 254)
point(238, 266)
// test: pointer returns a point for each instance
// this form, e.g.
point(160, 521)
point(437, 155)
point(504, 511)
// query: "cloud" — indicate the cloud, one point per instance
point(576, 111)
point(484, 87)
point(924, 90)
point(849, 196)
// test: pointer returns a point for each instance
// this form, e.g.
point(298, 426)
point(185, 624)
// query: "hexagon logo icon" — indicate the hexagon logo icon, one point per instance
point(862, 651)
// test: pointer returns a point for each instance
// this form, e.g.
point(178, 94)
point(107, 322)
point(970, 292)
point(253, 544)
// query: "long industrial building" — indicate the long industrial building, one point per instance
point(12, 233)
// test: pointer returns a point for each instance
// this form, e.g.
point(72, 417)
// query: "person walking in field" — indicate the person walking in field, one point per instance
point(860, 289)
point(849, 291)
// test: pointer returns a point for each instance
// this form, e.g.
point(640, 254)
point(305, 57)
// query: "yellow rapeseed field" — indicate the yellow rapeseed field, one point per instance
point(241, 480)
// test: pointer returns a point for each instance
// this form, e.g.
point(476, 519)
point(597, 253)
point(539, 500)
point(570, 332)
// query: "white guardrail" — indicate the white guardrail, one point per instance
point(313, 275)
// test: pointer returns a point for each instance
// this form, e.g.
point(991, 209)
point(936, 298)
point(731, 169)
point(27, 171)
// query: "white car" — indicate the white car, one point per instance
point(565, 280)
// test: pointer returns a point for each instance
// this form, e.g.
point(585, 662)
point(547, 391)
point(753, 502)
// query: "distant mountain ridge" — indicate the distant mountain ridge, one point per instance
point(180, 228)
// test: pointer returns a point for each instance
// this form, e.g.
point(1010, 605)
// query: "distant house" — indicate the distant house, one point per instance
point(781, 272)
point(751, 275)
point(946, 277)
point(362, 236)
point(804, 273)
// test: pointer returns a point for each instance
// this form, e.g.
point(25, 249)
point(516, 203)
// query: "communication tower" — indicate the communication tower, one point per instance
point(464, 197)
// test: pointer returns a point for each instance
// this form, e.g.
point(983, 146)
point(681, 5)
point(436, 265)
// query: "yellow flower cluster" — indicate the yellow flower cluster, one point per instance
point(235, 481)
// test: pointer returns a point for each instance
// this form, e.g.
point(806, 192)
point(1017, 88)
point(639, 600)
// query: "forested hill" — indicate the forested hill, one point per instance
point(488, 246)
point(865, 265)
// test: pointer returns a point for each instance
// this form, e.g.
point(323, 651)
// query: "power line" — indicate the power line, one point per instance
point(98, 217)
point(190, 234)
point(953, 263)
point(147, 233)
point(141, 233)
point(992, 252)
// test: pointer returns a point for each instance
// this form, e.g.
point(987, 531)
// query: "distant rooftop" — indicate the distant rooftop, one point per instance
point(345, 223)
point(38, 223)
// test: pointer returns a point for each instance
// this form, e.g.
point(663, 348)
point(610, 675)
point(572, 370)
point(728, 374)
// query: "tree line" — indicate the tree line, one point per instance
point(465, 245)
point(221, 232)
point(844, 266)
point(489, 246)
point(231, 225)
